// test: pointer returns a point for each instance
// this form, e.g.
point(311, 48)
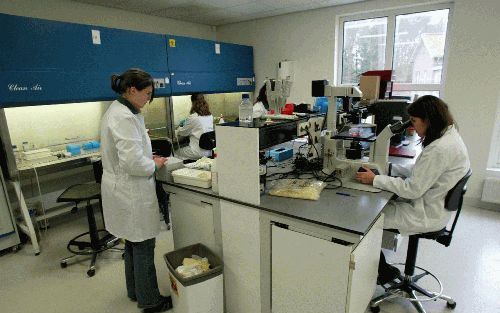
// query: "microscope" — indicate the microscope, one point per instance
point(363, 149)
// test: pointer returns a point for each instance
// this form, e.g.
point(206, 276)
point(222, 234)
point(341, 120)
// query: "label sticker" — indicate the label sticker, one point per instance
point(217, 48)
point(159, 82)
point(96, 37)
point(244, 81)
point(171, 43)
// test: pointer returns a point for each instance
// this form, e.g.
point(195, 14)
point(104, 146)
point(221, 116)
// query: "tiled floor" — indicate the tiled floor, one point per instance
point(469, 270)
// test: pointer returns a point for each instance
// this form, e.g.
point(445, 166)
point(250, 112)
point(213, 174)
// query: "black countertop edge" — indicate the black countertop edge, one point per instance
point(269, 210)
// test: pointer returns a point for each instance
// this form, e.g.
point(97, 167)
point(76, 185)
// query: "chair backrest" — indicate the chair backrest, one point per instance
point(207, 140)
point(453, 202)
point(162, 147)
point(97, 166)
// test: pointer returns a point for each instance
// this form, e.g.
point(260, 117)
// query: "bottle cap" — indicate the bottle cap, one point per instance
point(245, 96)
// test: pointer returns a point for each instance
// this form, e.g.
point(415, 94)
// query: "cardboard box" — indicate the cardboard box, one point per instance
point(370, 86)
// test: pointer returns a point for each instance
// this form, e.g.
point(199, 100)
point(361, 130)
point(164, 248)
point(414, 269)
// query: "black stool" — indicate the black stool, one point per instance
point(407, 284)
point(100, 239)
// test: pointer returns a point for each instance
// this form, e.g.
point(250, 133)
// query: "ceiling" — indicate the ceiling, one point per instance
point(216, 12)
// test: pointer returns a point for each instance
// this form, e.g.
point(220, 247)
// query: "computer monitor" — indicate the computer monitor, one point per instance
point(388, 112)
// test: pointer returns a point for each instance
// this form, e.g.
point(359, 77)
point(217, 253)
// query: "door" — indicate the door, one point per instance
point(192, 222)
point(309, 274)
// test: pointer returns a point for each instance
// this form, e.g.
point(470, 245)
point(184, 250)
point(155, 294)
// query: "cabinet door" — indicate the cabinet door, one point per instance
point(198, 65)
point(192, 222)
point(44, 61)
point(363, 276)
point(309, 274)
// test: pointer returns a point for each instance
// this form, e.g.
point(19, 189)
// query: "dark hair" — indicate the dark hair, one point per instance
point(133, 77)
point(435, 111)
point(199, 105)
point(262, 97)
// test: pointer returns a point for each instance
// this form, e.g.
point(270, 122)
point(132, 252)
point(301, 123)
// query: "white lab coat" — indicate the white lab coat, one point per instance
point(422, 187)
point(259, 110)
point(129, 201)
point(194, 127)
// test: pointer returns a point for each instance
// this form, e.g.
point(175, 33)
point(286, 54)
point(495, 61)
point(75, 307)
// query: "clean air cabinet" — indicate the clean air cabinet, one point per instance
point(44, 61)
point(315, 273)
point(206, 66)
point(195, 219)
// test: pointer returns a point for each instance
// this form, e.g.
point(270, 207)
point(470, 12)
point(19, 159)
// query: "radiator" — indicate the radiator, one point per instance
point(491, 190)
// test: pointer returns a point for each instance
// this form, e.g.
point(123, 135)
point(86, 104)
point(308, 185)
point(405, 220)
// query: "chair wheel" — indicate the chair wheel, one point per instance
point(91, 272)
point(375, 309)
point(451, 305)
point(64, 264)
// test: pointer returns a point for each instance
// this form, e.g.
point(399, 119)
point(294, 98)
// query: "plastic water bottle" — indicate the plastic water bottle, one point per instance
point(246, 110)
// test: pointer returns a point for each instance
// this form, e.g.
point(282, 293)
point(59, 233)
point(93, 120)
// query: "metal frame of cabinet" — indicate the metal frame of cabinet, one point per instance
point(9, 236)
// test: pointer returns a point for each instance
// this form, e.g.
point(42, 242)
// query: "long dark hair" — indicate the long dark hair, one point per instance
point(133, 77)
point(262, 97)
point(435, 111)
point(199, 105)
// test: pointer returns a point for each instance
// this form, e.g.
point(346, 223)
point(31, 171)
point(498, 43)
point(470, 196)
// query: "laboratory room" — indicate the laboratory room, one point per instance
point(248, 156)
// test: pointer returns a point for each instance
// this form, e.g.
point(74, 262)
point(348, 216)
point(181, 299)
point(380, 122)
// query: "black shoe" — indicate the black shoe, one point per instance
point(133, 299)
point(164, 305)
point(388, 274)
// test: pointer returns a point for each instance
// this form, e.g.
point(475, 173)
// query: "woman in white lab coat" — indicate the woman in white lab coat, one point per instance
point(261, 106)
point(422, 187)
point(199, 121)
point(129, 200)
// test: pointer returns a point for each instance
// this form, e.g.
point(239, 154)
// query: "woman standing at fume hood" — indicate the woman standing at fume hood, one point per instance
point(129, 200)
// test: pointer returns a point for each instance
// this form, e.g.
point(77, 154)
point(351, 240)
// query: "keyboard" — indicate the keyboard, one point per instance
point(280, 117)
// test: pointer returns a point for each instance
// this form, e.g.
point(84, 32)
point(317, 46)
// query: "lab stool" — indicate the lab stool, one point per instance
point(406, 286)
point(100, 239)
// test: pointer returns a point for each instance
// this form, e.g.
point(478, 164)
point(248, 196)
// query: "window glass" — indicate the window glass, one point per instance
point(364, 46)
point(412, 94)
point(419, 47)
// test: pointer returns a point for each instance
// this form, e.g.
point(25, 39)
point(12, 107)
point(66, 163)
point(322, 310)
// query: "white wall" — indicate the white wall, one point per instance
point(472, 81)
point(74, 12)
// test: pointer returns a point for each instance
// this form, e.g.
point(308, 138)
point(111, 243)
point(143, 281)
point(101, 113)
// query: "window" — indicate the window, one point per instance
point(494, 158)
point(411, 42)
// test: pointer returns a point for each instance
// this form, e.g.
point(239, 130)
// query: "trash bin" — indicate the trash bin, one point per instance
point(201, 293)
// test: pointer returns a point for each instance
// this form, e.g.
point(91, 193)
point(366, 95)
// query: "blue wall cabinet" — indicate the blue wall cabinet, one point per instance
point(198, 65)
point(45, 61)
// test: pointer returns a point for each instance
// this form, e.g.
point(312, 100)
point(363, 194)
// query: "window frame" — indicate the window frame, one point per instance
point(494, 156)
point(390, 39)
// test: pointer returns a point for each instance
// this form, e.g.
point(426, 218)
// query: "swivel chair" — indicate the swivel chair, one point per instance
point(207, 140)
point(100, 239)
point(407, 283)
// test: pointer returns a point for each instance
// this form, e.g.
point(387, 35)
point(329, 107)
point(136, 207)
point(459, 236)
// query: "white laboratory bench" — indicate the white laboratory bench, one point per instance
point(33, 170)
point(280, 254)
point(287, 252)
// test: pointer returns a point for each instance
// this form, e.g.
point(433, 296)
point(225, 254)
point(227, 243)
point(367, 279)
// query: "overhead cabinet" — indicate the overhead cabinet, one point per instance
point(45, 61)
point(198, 65)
